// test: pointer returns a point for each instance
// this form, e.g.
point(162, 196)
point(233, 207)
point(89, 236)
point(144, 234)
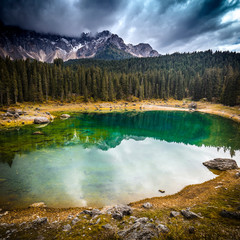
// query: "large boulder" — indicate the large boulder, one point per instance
point(221, 164)
point(140, 231)
point(121, 208)
point(41, 120)
point(189, 214)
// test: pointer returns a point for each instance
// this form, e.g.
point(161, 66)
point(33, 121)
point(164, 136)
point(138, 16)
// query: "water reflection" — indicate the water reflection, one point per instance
point(108, 130)
point(102, 159)
point(75, 176)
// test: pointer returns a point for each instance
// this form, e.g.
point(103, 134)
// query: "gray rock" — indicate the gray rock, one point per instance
point(174, 214)
point(123, 209)
point(92, 213)
point(38, 205)
point(11, 111)
point(142, 220)
point(67, 228)
point(237, 175)
point(147, 205)
point(70, 217)
point(75, 220)
point(191, 230)
point(48, 113)
point(221, 164)
point(163, 228)
point(40, 120)
point(40, 221)
point(16, 115)
point(98, 221)
point(228, 214)
point(65, 116)
point(3, 214)
point(139, 231)
point(107, 226)
point(8, 114)
point(192, 105)
point(189, 215)
point(133, 218)
point(117, 215)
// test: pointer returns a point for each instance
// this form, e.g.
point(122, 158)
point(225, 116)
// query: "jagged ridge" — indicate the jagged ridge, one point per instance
point(21, 44)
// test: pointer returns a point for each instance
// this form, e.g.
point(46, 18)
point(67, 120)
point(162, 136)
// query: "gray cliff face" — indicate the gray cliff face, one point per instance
point(21, 44)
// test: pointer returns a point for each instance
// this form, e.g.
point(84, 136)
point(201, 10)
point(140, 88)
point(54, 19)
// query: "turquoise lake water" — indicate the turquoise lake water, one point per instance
point(97, 159)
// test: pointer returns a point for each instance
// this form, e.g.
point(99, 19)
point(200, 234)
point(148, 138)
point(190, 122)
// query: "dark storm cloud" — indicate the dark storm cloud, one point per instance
point(96, 14)
point(205, 16)
point(173, 25)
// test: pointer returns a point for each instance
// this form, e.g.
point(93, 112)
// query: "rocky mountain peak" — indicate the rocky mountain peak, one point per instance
point(21, 44)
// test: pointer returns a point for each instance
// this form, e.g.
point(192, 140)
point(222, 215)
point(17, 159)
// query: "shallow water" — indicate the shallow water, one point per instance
point(97, 159)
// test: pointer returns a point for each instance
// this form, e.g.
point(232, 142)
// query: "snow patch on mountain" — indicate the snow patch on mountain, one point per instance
point(21, 44)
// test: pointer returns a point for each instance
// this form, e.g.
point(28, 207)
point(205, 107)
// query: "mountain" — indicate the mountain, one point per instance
point(21, 44)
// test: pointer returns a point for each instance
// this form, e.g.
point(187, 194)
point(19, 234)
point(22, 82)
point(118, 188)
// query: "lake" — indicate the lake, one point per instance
point(97, 159)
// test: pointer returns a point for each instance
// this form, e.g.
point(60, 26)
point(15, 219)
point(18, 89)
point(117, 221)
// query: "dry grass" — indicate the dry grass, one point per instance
point(53, 107)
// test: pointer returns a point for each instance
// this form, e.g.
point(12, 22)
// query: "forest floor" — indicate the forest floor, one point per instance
point(207, 200)
point(39, 110)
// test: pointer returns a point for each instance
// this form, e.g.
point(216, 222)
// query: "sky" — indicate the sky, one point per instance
point(167, 25)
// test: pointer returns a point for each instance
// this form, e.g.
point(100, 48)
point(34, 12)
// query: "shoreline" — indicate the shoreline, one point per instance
point(39, 110)
point(207, 200)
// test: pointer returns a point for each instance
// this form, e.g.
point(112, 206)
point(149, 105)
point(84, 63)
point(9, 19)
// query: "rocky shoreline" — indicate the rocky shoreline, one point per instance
point(22, 114)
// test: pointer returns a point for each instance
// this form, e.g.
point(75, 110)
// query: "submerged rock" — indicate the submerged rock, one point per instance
point(65, 116)
point(221, 164)
point(40, 120)
point(38, 133)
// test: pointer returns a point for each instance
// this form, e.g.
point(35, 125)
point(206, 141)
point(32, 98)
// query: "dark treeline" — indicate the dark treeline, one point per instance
point(214, 76)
